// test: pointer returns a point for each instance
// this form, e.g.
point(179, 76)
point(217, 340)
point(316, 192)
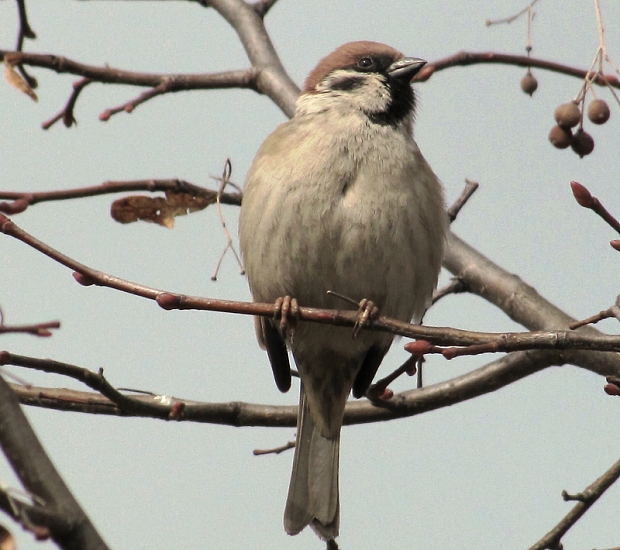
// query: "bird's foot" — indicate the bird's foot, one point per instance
point(287, 311)
point(366, 313)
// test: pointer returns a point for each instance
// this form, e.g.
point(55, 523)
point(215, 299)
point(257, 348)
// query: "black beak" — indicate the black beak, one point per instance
point(406, 68)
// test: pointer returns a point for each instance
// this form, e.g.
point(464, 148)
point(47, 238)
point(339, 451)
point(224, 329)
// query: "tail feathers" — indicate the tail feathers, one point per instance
point(313, 493)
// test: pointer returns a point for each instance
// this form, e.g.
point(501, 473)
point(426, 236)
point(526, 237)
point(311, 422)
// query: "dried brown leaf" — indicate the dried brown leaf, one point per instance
point(159, 210)
point(16, 80)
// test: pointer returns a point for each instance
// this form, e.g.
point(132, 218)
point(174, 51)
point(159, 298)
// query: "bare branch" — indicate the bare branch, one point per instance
point(21, 200)
point(517, 299)
point(486, 379)
point(275, 451)
point(271, 79)
point(613, 311)
point(33, 516)
point(455, 286)
point(552, 339)
point(25, 31)
point(93, 380)
point(585, 500)
point(129, 106)
point(109, 75)
point(66, 114)
point(585, 199)
point(38, 329)
point(267, 74)
point(464, 59)
point(468, 191)
point(263, 6)
point(33, 467)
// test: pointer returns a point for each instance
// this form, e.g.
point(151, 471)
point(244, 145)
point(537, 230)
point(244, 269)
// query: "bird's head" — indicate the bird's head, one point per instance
point(366, 77)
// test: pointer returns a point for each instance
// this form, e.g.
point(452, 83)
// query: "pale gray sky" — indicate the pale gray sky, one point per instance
point(483, 474)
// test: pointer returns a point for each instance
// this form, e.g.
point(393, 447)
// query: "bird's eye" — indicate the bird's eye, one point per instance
point(365, 63)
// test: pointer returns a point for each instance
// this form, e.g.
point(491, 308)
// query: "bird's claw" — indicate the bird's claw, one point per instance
point(365, 314)
point(287, 311)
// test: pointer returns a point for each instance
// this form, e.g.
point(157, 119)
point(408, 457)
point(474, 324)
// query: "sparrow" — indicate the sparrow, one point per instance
point(340, 199)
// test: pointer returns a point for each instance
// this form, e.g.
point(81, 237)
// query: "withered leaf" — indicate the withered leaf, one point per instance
point(159, 210)
point(16, 80)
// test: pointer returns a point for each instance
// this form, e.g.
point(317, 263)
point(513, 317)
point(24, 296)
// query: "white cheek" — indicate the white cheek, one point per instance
point(371, 96)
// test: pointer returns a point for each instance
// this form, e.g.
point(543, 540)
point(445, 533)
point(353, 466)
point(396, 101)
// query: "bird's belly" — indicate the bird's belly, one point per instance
point(360, 249)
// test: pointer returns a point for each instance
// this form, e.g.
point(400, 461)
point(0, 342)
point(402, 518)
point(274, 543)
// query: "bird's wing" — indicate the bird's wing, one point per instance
point(368, 370)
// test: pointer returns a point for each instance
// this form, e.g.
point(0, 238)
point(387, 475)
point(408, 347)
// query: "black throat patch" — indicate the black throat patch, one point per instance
point(402, 103)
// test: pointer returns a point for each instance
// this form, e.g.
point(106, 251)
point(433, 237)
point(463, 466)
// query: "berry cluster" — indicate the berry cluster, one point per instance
point(568, 116)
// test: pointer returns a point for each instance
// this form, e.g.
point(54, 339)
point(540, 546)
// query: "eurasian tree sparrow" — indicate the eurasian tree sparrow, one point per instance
point(340, 198)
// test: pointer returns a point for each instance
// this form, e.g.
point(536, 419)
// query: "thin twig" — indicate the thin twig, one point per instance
point(463, 59)
point(486, 379)
point(23, 199)
point(468, 191)
point(276, 450)
point(587, 200)
point(586, 499)
point(66, 114)
point(455, 286)
point(24, 31)
point(129, 106)
point(380, 387)
point(224, 181)
point(613, 311)
point(94, 380)
point(262, 7)
point(38, 329)
point(511, 18)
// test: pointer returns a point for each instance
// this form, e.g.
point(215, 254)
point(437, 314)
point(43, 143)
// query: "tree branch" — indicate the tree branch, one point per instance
point(267, 74)
point(465, 59)
point(271, 78)
point(108, 75)
point(33, 467)
point(37, 329)
point(587, 338)
point(486, 379)
point(586, 499)
point(21, 200)
point(262, 7)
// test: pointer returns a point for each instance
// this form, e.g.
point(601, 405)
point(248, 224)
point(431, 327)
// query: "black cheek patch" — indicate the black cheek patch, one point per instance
point(347, 83)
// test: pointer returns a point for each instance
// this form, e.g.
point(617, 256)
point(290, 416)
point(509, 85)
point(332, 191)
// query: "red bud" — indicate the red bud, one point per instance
point(176, 412)
point(168, 301)
point(84, 280)
point(581, 194)
point(611, 389)
point(418, 347)
point(15, 207)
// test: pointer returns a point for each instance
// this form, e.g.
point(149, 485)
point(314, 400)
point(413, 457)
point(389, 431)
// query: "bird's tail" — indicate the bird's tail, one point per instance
point(313, 493)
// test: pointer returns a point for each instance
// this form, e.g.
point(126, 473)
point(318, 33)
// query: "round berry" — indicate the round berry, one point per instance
point(598, 111)
point(567, 115)
point(582, 143)
point(529, 83)
point(560, 136)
